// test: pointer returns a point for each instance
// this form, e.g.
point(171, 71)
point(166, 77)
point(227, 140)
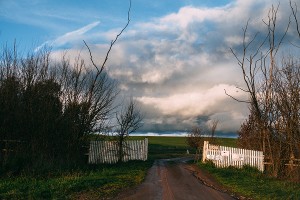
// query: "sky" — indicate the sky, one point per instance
point(174, 58)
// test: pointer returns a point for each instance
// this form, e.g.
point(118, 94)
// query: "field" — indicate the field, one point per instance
point(170, 147)
point(166, 147)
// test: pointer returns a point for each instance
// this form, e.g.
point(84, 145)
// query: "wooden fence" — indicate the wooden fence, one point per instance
point(107, 151)
point(223, 156)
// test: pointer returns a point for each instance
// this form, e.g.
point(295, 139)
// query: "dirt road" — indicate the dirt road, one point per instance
point(172, 179)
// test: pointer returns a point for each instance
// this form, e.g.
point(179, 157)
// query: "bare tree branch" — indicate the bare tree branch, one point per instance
point(294, 13)
point(236, 98)
point(111, 44)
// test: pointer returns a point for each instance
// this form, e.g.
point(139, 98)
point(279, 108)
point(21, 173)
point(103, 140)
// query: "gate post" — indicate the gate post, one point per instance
point(205, 148)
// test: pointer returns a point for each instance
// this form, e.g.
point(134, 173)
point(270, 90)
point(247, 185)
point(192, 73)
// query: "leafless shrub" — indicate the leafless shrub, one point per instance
point(195, 138)
point(213, 124)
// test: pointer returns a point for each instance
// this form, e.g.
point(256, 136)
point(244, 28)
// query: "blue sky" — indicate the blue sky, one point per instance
point(174, 58)
point(33, 22)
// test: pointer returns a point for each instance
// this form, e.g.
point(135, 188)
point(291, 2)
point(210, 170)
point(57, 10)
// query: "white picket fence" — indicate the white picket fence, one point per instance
point(107, 151)
point(223, 156)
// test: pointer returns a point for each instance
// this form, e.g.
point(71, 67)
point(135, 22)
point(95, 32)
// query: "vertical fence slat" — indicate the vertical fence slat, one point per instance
point(107, 151)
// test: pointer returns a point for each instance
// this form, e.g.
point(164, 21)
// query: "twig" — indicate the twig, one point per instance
point(236, 98)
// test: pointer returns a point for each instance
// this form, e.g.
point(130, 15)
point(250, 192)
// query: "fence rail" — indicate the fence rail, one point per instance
point(223, 156)
point(107, 151)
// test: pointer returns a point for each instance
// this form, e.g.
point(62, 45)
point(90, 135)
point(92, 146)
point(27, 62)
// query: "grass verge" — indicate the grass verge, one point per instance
point(249, 182)
point(101, 182)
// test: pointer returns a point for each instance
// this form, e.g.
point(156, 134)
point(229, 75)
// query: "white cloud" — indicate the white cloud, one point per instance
point(193, 103)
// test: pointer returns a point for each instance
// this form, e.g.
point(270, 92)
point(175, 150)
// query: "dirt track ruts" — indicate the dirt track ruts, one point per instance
point(171, 179)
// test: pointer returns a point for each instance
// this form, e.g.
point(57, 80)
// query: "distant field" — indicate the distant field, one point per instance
point(170, 147)
point(181, 141)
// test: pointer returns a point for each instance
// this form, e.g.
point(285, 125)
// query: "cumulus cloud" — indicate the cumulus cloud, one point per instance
point(177, 66)
point(191, 103)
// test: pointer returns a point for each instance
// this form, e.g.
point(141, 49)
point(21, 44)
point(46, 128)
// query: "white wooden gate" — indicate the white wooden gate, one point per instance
point(107, 151)
point(223, 156)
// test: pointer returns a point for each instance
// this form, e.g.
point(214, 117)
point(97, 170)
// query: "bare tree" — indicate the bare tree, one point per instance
point(212, 127)
point(195, 139)
point(100, 91)
point(128, 121)
point(273, 89)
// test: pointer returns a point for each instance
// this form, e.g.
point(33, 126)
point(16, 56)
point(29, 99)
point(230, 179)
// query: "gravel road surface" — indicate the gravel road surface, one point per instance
point(172, 179)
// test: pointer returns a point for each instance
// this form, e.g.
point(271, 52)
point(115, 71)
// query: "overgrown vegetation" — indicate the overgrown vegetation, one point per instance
point(273, 87)
point(49, 108)
point(251, 183)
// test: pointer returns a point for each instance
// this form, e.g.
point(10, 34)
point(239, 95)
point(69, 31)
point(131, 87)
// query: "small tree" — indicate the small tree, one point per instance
point(195, 140)
point(195, 137)
point(128, 121)
point(212, 127)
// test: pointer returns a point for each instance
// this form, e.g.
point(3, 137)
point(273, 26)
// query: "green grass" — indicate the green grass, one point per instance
point(170, 147)
point(250, 182)
point(166, 147)
point(102, 181)
point(228, 142)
